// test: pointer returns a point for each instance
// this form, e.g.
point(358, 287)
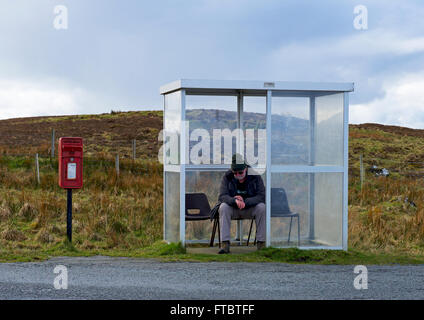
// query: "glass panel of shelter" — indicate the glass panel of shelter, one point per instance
point(222, 113)
point(316, 123)
point(300, 125)
point(171, 159)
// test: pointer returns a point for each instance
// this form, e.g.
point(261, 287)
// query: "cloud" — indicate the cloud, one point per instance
point(118, 54)
point(402, 104)
point(364, 43)
point(369, 58)
point(346, 53)
point(33, 98)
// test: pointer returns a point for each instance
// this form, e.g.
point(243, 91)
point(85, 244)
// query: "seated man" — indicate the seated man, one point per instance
point(242, 196)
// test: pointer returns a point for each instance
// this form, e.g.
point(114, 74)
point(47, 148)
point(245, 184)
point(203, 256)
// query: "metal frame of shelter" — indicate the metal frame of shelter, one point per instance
point(310, 90)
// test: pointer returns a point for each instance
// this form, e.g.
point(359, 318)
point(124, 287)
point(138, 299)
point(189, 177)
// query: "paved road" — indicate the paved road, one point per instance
point(124, 278)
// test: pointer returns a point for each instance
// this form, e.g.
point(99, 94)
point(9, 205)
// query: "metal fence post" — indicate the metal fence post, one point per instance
point(117, 164)
point(133, 148)
point(361, 168)
point(52, 143)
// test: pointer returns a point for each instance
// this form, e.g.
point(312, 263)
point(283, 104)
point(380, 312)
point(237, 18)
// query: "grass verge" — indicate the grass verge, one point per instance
point(176, 252)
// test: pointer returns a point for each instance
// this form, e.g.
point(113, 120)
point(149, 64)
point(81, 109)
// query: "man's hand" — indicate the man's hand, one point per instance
point(240, 203)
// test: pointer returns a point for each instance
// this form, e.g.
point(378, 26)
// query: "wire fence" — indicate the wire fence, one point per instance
point(362, 169)
point(120, 150)
point(385, 167)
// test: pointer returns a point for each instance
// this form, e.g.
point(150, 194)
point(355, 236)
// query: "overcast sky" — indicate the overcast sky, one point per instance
point(116, 54)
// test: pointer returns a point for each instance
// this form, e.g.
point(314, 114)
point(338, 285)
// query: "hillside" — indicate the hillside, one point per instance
point(397, 148)
point(122, 214)
point(103, 134)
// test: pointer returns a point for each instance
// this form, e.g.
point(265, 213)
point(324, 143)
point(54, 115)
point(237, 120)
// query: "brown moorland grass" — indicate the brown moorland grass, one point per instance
point(109, 212)
point(387, 216)
point(125, 213)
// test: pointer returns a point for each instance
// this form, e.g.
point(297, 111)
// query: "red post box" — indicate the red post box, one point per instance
point(70, 162)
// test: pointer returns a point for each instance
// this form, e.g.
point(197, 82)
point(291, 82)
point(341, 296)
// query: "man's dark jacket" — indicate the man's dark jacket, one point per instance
point(255, 190)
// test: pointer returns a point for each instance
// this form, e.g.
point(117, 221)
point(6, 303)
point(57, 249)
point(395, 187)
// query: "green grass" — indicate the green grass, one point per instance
point(17, 163)
point(176, 252)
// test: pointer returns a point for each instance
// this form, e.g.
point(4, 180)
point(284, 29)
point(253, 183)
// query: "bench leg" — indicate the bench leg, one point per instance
point(298, 231)
point(250, 231)
point(213, 233)
point(291, 219)
point(240, 231)
point(219, 234)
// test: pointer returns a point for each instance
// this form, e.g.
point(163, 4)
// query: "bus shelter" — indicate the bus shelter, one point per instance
point(294, 134)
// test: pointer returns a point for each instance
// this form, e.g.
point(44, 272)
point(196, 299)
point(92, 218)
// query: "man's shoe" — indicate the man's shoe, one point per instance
point(225, 247)
point(260, 245)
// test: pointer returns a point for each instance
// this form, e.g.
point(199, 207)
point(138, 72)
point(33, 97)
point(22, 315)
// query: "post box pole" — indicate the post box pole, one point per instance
point(69, 216)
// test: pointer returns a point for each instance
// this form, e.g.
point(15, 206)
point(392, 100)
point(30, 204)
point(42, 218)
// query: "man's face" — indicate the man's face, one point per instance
point(240, 174)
